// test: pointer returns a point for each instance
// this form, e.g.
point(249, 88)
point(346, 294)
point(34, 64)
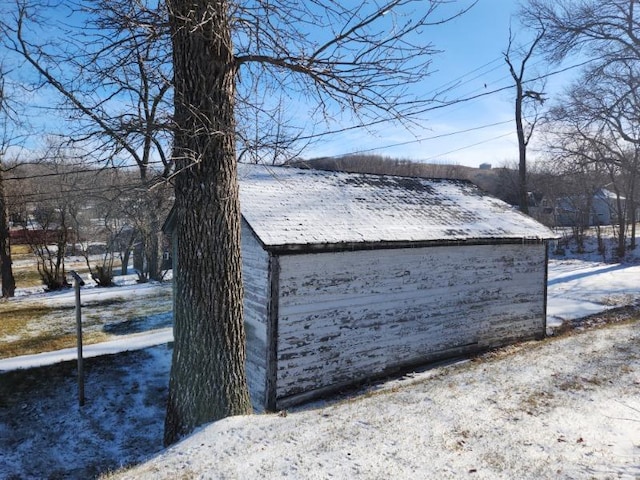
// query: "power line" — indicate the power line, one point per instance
point(455, 83)
point(447, 104)
point(56, 174)
point(423, 139)
point(470, 98)
point(58, 195)
point(467, 146)
point(72, 172)
point(84, 163)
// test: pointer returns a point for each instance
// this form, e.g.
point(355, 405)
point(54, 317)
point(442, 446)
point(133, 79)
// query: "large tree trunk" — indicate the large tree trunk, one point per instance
point(6, 269)
point(208, 379)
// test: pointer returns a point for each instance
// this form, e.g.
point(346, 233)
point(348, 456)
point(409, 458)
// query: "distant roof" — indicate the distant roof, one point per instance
point(290, 208)
point(607, 194)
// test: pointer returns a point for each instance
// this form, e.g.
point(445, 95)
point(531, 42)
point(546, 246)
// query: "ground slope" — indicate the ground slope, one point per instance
point(563, 408)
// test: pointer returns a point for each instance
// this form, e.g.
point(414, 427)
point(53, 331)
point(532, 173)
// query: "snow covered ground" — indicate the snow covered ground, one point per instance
point(564, 408)
point(577, 288)
point(567, 408)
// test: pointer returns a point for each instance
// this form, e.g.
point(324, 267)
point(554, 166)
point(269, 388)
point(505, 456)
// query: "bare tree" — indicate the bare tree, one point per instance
point(573, 181)
point(580, 134)
point(113, 73)
point(362, 57)
point(51, 222)
point(208, 328)
point(110, 195)
point(265, 133)
point(606, 32)
point(524, 96)
point(607, 97)
point(6, 271)
point(7, 139)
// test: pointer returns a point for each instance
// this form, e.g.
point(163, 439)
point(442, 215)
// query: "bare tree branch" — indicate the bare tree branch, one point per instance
point(524, 134)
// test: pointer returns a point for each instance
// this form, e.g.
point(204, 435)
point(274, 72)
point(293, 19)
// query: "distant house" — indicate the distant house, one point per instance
point(34, 235)
point(600, 209)
point(350, 277)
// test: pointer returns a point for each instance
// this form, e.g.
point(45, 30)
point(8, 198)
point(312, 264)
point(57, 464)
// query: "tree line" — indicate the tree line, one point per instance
point(61, 205)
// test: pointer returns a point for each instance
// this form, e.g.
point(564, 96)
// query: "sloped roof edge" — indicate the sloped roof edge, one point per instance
point(295, 210)
point(300, 209)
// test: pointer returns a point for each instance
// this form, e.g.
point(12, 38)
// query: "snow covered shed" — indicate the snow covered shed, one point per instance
point(350, 277)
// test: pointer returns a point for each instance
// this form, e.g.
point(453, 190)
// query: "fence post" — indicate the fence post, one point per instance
point(78, 282)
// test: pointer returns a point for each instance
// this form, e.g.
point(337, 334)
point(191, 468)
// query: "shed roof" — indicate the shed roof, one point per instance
point(290, 208)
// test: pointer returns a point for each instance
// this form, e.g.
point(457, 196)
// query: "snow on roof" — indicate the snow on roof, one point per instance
point(607, 194)
point(289, 207)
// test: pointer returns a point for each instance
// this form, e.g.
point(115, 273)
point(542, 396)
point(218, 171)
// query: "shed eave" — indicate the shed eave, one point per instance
point(302, 248)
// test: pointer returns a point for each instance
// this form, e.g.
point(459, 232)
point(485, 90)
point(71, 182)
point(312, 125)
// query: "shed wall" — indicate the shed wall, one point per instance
point(255, 266)
point(349, 316)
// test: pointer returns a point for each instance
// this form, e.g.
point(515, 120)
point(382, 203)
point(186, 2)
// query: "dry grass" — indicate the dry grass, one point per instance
point(15, 319)
point(48, 342)
point(35, 328)
point(27, 277)
point(31, 326)
point(24, 330)
point(150, 471)
point(18, 251)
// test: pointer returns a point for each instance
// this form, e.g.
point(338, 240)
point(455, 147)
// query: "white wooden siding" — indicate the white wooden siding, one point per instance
point(348, 316)
point(255, 265)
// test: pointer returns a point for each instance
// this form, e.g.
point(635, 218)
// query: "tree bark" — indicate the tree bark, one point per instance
point(523, 194)
point(208, 380)
point(6, 268)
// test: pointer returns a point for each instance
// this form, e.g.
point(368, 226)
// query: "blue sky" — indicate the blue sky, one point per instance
point(473, 47)
point(469, 133)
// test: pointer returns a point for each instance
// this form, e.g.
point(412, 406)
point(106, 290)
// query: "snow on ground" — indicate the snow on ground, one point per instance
point(44, 434)
point(90, 292)
point(567, 408)
point(577, 288)
point(136, 341)
point(564, 408)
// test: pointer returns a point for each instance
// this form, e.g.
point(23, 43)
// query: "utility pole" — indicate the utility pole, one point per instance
point(78, 282)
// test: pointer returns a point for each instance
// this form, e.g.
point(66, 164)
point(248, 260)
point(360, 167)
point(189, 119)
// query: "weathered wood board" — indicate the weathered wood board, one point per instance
point(255, 266)
point(348, 316)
